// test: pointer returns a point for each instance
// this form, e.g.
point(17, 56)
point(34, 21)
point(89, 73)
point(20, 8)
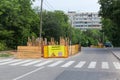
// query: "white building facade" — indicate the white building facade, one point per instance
point(85, 21)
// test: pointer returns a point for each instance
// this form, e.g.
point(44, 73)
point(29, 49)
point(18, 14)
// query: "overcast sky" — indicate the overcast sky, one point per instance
point(70, 5)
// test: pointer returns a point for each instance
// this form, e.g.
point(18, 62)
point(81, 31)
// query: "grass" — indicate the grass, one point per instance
point(5, 55)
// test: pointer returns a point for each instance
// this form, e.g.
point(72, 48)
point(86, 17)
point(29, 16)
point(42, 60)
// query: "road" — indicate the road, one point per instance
point(90, 64)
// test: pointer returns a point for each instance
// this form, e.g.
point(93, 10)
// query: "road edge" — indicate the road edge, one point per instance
point(115, 55)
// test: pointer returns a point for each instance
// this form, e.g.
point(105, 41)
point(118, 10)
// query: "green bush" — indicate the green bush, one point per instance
point(2, 46)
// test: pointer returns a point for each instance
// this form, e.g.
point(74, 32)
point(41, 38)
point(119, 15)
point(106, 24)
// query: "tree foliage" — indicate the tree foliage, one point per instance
point(110, 11)
point(91, 37)
point(55, 24)
point(17, 20)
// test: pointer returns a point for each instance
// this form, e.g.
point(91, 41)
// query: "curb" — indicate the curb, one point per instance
point(116, 55)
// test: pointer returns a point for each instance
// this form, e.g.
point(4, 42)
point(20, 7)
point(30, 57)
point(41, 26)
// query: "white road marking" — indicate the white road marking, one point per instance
point(10, 62)
point(28, 73)
point(55, 64)
point(5, 60)
point(43, 63)
point(30, 63)
point(80, 64)
point(105, 65)
point(117, 65)
point(92, 64)
point(68, 64)
point(21, 62)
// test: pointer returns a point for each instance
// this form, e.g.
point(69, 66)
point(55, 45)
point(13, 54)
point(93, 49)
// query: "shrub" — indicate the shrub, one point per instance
point(2, 46)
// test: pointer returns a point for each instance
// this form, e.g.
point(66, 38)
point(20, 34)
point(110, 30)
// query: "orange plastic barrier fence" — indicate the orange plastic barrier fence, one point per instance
point(28, 52)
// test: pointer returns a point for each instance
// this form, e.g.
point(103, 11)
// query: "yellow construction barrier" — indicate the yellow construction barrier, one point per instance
point(55, 51)
point(48, 51)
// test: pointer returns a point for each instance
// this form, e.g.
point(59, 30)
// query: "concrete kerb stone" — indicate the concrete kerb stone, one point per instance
point(118, 57)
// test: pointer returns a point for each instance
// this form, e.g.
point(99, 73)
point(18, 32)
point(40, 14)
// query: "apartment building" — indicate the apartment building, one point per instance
point(84, 21)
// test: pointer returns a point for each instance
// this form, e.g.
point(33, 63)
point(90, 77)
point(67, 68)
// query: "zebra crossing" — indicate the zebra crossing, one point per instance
point(59, 63)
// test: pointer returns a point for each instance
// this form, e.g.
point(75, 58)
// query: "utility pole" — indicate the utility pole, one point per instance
point(70, 50)
point(103, 37)
point(41, 7)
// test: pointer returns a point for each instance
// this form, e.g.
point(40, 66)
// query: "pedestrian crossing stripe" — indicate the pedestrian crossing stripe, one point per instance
point(58, 63)
point(80, 64)
point(44, 63)
point(5, 60)
point(55, 64)
point(3, 63)
point(20, 62)
point(105, 65)
point(33, 62)
point(116, 65)
point(92, 64)
point(68, 64)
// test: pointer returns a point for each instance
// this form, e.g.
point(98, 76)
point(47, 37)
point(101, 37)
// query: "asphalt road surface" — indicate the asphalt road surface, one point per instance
point(90, 64)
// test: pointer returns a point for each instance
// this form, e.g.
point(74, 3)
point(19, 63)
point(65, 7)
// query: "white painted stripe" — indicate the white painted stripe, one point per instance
point(80, 64)
point(21, 62)
point(55, 64)
point(30, 63)
point(92, 64)
point(117, 65)
point(68, 64)
point(105, 65)
point(20, 77)
point(43, 63)
point(9, 62)
point(3, 60)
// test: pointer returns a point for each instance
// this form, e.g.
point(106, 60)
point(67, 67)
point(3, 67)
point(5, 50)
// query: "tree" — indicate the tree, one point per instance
point(55, 24)
point(110, 12)
point(17, 21)
point(90, 37)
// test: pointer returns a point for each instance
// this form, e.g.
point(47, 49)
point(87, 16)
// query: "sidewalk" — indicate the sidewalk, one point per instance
point(116, 52)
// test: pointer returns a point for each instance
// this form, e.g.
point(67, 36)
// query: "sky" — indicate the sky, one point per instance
point(70, 5)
